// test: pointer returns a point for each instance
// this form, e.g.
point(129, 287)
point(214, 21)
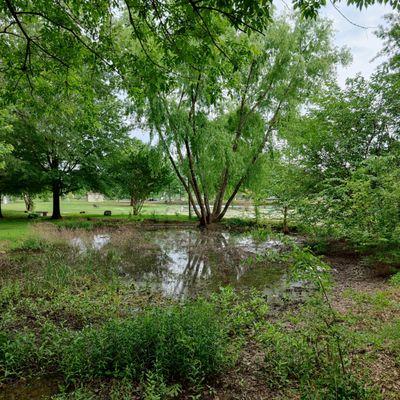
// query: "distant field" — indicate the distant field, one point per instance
point(74, 207)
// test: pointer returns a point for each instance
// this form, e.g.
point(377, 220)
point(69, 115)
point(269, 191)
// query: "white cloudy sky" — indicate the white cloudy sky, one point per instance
point(363, 43)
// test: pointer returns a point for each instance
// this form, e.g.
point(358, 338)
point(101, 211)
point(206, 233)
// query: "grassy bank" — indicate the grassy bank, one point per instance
point(74, 207)
point(15, 227)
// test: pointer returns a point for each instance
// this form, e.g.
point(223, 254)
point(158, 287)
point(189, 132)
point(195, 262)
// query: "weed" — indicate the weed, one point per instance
point(33, 244)
point(313, 356)
point(180, 342)
point(395, 279)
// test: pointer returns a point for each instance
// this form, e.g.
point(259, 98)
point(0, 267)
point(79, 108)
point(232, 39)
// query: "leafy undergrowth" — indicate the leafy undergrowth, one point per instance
point(71, 315)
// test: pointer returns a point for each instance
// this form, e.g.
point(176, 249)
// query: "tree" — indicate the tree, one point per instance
point(364, 208)
point(342, 129)
point(283, 180)
point(138, 171)
point(214, 123)
point(17, 177)
point(63, 131)
point(387, 78)
point(53, 30)
point(348, 143)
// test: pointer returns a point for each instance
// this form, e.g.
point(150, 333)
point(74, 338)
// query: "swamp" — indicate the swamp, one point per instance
point(164, 310)
point(199, 200)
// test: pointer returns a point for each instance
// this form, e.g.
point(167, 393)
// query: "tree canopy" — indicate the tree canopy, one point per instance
point(63, 128)
point(214, 125)
point(137, 172)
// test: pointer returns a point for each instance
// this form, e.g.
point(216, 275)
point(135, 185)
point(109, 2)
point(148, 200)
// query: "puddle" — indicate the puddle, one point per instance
point(186, 262)
point(96, 243)
point(36, 389)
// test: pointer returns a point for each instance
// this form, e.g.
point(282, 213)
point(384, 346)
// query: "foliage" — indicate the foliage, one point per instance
point(282, 181)
point(18, 177)
point(395, 279)
point(347, 146)
point(364, 208)
point(61, 131)
point(58, 32)
point(313, 350)
point(4, 150)
point(180, 343)
point(219, 122)
point(138, 172)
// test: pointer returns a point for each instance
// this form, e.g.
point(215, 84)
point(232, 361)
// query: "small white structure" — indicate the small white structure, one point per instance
point(92, 197)
point(5, 200)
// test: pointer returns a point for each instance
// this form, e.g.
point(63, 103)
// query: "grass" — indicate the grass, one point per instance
point(13, 230)
point(74, 207)
point(15, 226)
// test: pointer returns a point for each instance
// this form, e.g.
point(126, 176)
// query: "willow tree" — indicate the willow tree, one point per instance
point(215, 114)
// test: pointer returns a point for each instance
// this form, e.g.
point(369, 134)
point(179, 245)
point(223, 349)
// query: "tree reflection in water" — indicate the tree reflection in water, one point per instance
point(183, 263)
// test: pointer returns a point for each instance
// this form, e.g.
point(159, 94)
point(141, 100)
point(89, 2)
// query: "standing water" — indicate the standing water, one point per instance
point(182, 263)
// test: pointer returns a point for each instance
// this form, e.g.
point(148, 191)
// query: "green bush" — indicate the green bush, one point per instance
point(179, 343)
point(362, 209)
point(183, 343)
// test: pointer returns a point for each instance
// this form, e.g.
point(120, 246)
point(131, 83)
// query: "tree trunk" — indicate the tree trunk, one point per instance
point(1, 211)
point(190, 208)
point(136, 205)
point(56, 188)
point(28, 202)
point(285, 220)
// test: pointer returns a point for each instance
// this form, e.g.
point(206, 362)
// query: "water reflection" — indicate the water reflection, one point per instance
point(97, 242)
point(183, 263)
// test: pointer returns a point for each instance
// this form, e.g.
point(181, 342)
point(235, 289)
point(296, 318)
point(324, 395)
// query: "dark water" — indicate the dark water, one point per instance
point(36, 389)
point(182, 263)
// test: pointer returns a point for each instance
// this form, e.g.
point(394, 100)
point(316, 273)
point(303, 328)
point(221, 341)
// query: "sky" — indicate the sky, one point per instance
point(363, 43)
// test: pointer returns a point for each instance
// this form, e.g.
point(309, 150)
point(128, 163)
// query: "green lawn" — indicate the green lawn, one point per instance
point(13, 230)
point(69, 207)
point(15, 226)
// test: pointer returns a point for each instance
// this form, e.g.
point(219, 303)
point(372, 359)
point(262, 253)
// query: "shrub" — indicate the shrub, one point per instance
point(395, 279)
point(179, 343)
